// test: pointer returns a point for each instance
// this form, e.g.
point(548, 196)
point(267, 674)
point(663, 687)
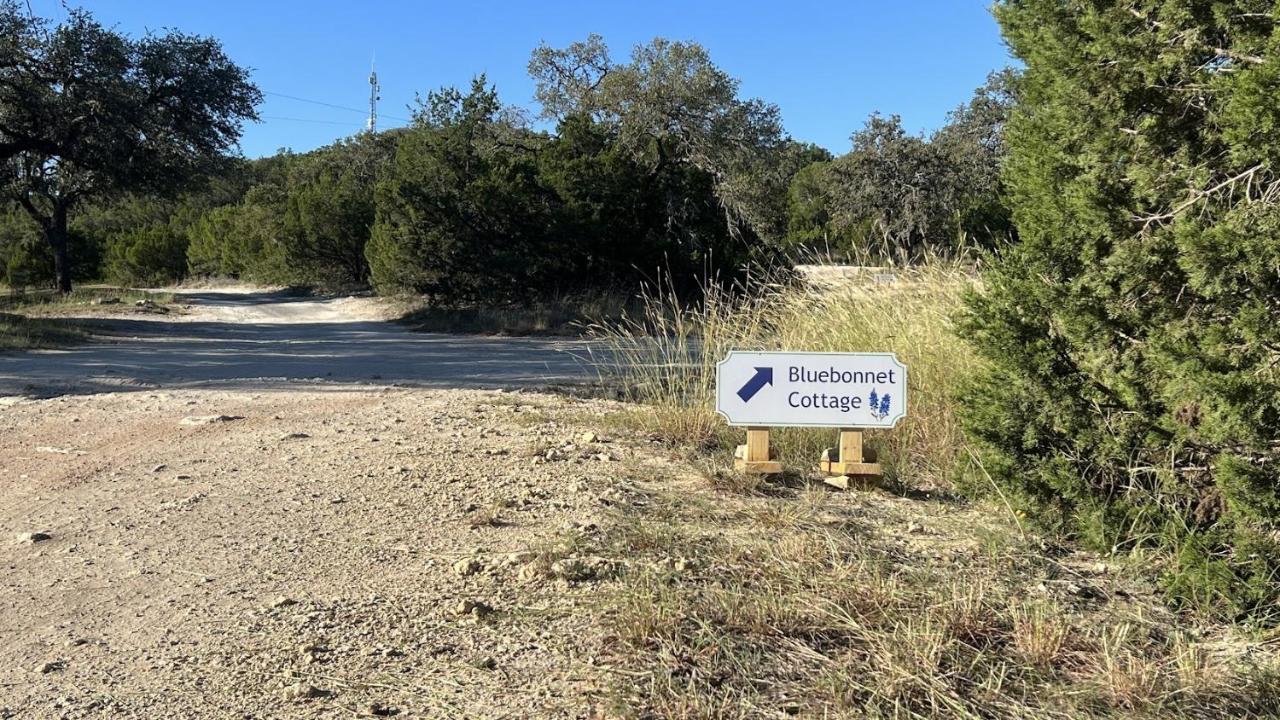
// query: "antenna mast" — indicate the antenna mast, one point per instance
point(374, 89)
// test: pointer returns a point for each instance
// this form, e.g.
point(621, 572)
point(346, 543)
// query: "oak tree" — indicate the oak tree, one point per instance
point(87, 112)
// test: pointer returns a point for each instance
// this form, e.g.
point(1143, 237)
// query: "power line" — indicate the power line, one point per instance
point(351, 124)
point(331, 105)
point(313, 102)
point(305, 120)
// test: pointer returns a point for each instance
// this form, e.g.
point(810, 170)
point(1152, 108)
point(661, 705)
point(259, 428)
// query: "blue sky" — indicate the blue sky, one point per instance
point(826, 64)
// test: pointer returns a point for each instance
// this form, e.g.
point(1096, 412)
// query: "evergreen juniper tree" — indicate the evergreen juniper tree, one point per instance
point(1133, 395)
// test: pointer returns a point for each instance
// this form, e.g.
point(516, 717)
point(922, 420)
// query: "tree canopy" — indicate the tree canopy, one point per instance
point(898, 197)
point(87, 112)
point(672, 104)
point(656, 166)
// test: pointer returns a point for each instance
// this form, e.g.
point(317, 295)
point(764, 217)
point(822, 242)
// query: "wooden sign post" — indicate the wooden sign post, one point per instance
point(756, 456)
point(850, 459)
point(849, 391)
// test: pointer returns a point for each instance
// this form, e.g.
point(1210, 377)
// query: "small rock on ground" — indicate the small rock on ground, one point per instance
point(209, 419)
point(303, 691)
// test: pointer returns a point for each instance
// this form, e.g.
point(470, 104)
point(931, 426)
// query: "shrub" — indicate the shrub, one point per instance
point(209, 251)
point(149, 255)
point(18, 237)
point(1132, 398)
point(328, 209)
point(27, 263)
point(459, 215)
point(239, 241)
point(26, 260)
point(478, 207)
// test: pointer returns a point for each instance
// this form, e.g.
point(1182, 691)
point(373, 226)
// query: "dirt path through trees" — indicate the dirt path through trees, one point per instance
point(242, 511)
point(256, 340)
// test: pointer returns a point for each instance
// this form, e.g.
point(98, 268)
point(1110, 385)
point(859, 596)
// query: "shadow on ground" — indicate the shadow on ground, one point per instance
point(151, 354)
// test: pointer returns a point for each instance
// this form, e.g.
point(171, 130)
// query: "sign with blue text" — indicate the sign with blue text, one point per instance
point(848, 390)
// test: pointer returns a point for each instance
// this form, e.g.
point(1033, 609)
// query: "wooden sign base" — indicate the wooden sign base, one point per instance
point(850, 458)
point(756, 456)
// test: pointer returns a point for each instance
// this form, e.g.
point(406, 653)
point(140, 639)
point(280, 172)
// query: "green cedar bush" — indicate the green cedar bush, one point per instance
point(148, 255)
point(1133, 397)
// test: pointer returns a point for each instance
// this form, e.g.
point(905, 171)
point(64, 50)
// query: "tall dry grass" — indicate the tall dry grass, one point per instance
point(808, 603)
point(666, 357)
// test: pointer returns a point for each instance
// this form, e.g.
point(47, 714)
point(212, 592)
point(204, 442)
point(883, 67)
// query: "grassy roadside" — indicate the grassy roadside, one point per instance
point(744, 598)
point(666, 359)
point(792, 600)
point(84, 300)
point(563, 316)
point(44, 319)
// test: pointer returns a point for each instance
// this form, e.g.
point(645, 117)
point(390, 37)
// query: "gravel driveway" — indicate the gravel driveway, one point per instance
point(259, 340)
point(277, 507)
point(311, 553)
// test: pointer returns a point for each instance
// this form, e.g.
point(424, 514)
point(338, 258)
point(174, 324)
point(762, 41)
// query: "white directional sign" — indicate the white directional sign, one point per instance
point(849, 390)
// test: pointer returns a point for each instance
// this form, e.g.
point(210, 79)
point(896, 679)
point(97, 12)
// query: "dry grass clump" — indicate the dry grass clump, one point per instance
point(820, 616)
point(1039, 634)
point(666, 357)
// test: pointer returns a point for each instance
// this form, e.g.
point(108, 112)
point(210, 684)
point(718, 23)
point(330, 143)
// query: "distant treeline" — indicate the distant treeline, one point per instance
point(655, 167)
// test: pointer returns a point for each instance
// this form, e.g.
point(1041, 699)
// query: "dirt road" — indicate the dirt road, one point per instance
point(258, 340)
point(263, 547)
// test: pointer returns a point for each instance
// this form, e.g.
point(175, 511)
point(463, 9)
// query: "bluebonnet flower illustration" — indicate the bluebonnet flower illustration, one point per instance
point(879, 406)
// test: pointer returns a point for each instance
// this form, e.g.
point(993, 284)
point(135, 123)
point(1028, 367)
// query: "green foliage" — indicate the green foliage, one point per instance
point(478, 207)
point(26, 266)
point(621, 218)
point(90, 113)
point(972, 146)
point(26, 260)
point(239, 241)
point(98, 222)
point(244, 235)
point(329, 209)
point(809, 207)
point(671, 104)
point(657, 168)
point(898, 184)
point(148, 255)
point(898, 197)
point(460, 214)
point(1132, 397)
point(208, 251)
point(21, 258)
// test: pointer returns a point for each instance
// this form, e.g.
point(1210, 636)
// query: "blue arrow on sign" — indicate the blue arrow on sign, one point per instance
point(763, 376)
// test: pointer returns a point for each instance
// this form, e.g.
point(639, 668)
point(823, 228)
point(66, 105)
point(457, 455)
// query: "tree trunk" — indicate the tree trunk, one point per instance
point(56, 233)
